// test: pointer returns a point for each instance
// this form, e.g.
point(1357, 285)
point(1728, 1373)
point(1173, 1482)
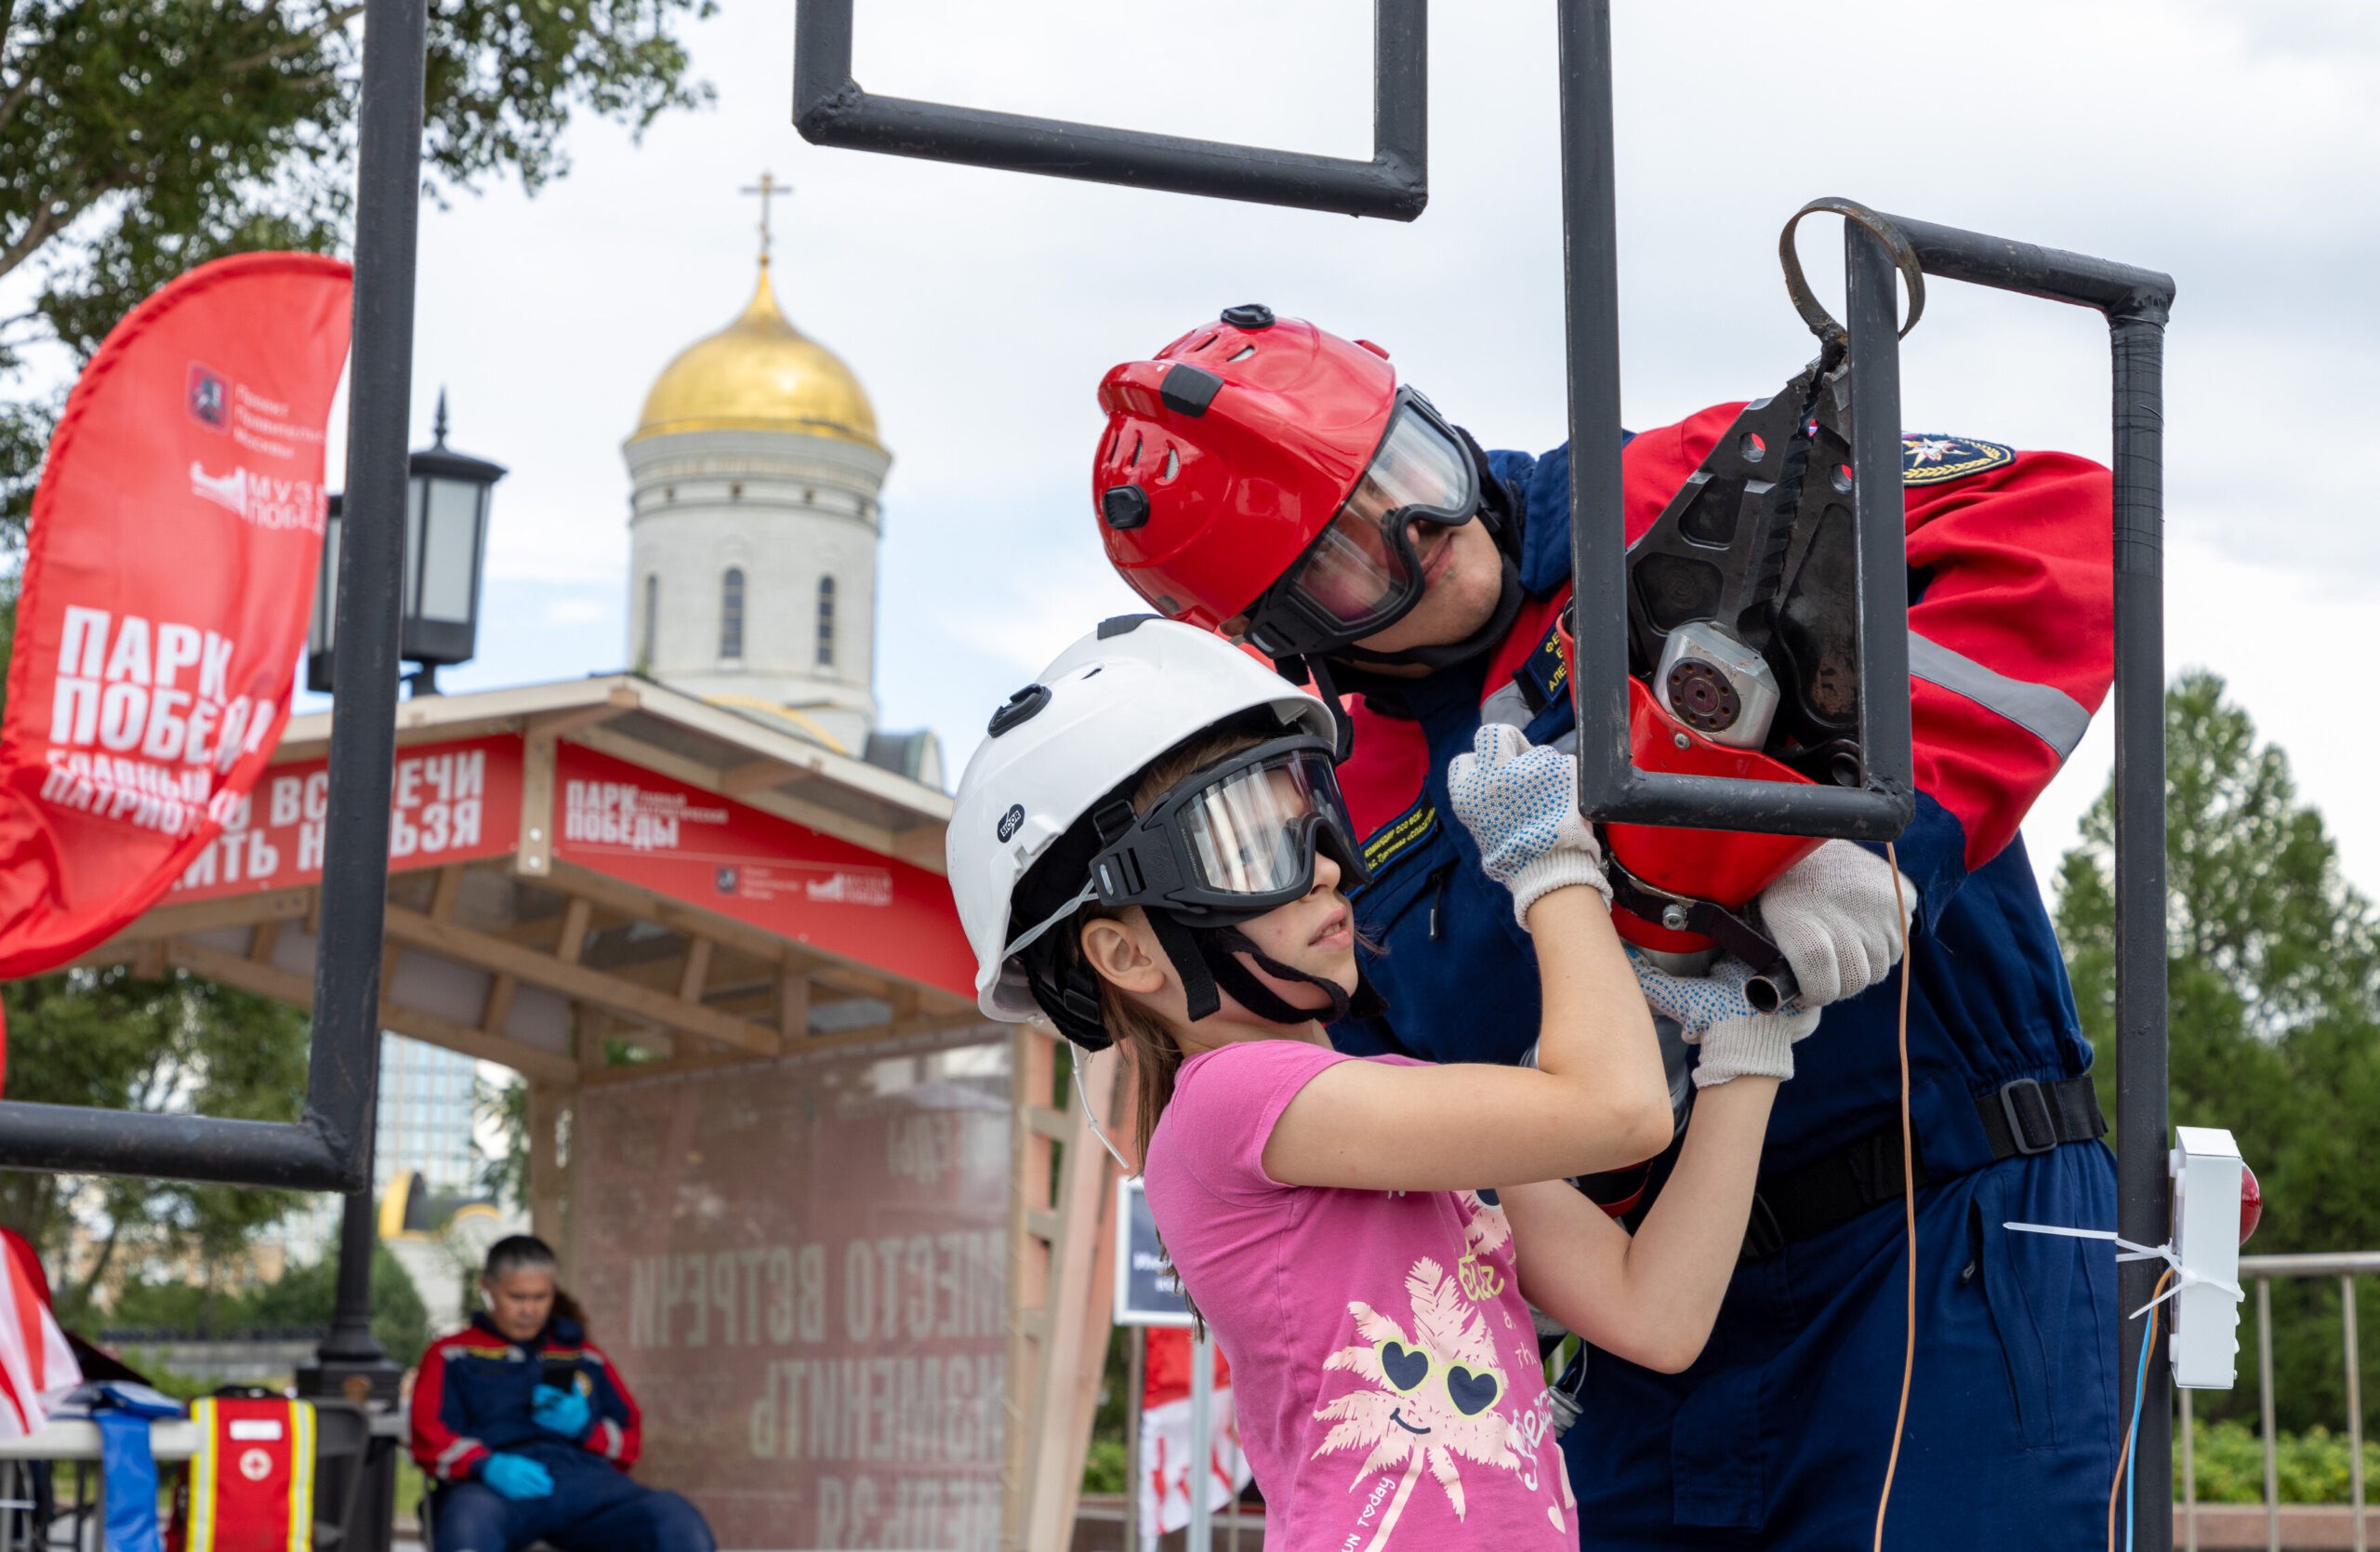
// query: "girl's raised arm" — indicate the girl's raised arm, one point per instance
point(1598, 1098)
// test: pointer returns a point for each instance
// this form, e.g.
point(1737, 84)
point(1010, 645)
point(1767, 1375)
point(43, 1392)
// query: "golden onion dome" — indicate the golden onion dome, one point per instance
point(758, 374)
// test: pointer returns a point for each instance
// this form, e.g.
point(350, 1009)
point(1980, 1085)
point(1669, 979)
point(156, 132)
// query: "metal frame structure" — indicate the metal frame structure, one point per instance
point(330, 1149)
point(831, 109)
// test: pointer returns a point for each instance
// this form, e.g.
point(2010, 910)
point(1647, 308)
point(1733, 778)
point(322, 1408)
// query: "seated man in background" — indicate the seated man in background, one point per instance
point(530, 1431)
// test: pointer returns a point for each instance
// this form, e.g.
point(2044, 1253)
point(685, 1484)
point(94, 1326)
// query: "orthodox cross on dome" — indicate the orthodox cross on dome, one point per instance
point(768, 188)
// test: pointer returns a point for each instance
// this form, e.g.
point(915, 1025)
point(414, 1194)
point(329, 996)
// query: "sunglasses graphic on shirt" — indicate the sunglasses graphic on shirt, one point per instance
point(1470, 1391)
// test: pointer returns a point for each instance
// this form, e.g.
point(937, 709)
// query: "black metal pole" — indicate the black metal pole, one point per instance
point(2143, 1184)
point(1591, 303)
point(330, 1148)
point(350, 1363)
point(1871, 306)
point(344, 1074)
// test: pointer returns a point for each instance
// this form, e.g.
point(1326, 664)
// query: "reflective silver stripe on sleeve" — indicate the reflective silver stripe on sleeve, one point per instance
point(612, 1438)
point(453, 1452)
point(2049, 714)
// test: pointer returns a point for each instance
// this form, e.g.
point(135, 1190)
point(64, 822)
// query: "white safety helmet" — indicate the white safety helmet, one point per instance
point(1064, 746)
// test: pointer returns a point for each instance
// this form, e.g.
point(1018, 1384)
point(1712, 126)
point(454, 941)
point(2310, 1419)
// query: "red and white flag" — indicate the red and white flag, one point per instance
point(37, 1366)
point(168, 573)
point(1169, 1461)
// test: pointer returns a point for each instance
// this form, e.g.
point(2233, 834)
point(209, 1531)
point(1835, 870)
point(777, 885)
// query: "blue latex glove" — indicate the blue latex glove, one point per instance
point(1711, 1012)
point(560, 1411)
point(516, 1476)
point(1521, 805)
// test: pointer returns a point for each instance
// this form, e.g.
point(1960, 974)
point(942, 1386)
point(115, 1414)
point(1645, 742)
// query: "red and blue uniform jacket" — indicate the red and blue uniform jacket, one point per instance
point(472, 1400)
point(2011, 651)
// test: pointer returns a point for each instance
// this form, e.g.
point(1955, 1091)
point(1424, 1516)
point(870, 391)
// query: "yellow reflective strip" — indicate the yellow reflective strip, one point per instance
point(201, 1480)
point(301, 1476)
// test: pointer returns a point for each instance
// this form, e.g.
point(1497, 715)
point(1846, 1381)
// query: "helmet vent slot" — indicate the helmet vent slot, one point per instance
point(1204, 343)
point(1241, 355)
point(1172, 467)
point(1134, 461)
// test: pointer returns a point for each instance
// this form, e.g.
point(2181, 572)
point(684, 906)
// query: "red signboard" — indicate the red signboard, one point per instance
point(170, 564)
point(724, 856)
point(800, 1268)
point(449, 803)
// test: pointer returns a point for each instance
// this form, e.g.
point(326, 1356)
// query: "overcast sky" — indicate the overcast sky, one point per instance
point(2235, 146)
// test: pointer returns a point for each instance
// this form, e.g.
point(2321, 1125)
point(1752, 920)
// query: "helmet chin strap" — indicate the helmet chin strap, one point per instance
point(1206, 960)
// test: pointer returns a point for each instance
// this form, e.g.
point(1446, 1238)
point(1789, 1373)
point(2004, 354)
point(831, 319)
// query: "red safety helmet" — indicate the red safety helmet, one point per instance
point(1260, 467)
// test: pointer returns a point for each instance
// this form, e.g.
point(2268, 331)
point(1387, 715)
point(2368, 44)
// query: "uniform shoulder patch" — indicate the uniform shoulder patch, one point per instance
point(1930, 460)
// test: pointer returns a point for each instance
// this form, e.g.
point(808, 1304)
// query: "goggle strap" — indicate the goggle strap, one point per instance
point(1034, 933)
point(1343, 725)
point(1200, 1000)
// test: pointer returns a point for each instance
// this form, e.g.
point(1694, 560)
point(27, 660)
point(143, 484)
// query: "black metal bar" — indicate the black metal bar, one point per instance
point(1610, 787)
point(1871, 306)
point(330, 1149)
point(2135, 302)
point(2143, 1184)
point(831, 108)
point(1591, 303)
point(344, 1073)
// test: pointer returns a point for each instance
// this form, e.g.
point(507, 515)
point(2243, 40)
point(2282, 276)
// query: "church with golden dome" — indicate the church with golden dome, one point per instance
point(755, 472)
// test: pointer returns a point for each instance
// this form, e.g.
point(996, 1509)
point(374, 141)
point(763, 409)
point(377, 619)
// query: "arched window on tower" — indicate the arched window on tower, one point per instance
point(652, 620)
point(826, 622)
point(730, 615)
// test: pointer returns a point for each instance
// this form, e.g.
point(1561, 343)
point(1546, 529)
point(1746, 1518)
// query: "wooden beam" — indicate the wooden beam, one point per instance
point(448, 889)
point(759, 775)
point(622, 997)
point(496, 1011)
point(572, 940)
point(148, 960)
point(546, 1104)
point(266, 980)
point(262, 940)
point(697, 974)
point(793, 1007)
point(540, 735)
point(240, 910)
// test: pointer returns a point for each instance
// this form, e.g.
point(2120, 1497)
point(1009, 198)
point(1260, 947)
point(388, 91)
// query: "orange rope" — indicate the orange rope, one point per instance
point(1909, 1207)
point(2115, 1489)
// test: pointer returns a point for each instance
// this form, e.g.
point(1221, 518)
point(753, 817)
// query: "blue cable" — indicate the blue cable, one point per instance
point(2132, 1440)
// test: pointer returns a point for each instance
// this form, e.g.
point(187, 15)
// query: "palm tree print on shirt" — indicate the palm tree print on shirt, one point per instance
point(1433, 1394)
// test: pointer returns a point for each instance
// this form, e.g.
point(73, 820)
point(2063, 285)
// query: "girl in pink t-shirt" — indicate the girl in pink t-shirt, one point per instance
point(1150, 850)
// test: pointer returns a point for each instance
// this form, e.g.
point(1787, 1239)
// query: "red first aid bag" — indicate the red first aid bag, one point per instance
point(251, 1486)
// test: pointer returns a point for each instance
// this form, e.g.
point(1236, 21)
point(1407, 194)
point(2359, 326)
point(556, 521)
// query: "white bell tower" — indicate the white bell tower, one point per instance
point(753, 526)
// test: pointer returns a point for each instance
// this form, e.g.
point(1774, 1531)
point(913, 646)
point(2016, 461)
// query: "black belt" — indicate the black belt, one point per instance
point(2019, 1118)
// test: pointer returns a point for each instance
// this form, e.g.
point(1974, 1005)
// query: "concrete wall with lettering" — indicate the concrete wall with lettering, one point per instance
point(800, 1268)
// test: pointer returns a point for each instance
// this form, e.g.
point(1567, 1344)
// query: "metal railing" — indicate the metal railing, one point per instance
point(2346, 1267)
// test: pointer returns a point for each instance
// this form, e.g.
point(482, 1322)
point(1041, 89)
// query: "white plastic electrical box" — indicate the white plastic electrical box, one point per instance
point(2205, 1344)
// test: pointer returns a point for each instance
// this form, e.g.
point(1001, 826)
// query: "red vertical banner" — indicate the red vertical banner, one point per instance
point(176, 535)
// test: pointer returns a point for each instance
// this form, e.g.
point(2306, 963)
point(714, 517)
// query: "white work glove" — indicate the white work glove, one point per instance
point(1832, 915)
point(1711, 1012)
point(1521, 805)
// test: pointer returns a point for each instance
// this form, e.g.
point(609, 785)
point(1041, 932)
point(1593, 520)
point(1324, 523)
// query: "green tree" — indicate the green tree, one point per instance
point(305, 1296)
point(111, 1040)
point(2274, 1029)
point(140, 138)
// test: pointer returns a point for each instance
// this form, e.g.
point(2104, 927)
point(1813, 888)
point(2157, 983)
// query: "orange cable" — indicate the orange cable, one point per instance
point(2115, 1489)
point(1909, 1206)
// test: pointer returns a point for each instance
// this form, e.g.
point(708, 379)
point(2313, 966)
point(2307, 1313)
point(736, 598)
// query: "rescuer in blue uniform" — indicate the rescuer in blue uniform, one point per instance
point(1262, 477)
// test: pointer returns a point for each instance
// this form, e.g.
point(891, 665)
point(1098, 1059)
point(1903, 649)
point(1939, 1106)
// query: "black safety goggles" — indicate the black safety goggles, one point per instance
point(1362, 573)
point(1233, 841)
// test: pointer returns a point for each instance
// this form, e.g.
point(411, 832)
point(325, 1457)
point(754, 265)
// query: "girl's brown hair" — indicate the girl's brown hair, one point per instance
point(1154, 1052)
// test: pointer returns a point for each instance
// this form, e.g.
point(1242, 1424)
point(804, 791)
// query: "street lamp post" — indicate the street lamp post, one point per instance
point(446, 505)
point(445, 540)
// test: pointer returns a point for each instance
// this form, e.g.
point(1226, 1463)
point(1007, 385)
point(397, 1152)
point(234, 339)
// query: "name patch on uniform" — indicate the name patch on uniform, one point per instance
point(1929, 460)
point(1400, 835)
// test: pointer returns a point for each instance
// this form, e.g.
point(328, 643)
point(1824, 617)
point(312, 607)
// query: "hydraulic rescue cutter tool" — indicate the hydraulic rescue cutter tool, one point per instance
point(1744, 618)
